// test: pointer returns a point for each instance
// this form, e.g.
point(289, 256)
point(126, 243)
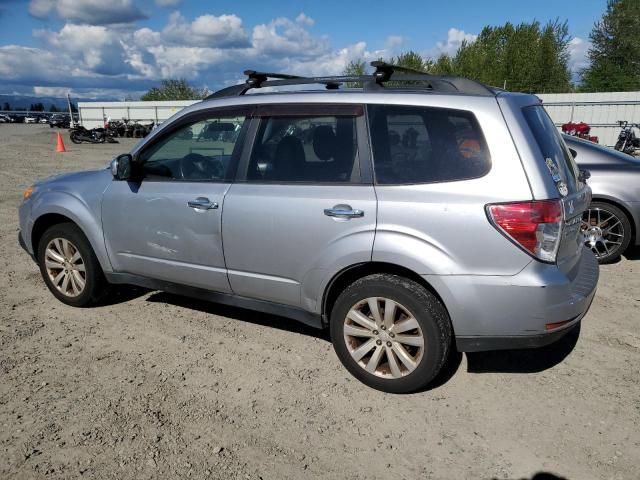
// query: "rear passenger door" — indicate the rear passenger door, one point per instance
point(303, 206)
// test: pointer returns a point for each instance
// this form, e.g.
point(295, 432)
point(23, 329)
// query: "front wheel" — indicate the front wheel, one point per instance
point(606, 230)
point(391, 333)
point(75, 138)
point(69, 266)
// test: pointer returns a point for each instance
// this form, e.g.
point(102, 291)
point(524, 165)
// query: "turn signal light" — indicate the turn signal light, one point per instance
point(27, 192)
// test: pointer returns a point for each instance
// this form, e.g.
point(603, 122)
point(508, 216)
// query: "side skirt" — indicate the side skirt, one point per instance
point(308, 318)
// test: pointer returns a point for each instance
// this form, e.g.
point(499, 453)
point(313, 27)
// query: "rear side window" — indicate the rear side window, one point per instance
point(426, 145)
point(557, 156)
point(305, 148)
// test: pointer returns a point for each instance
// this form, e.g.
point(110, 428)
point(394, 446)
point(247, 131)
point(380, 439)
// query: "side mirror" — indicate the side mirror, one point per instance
point(584, 175)
point(121, 167)
point(573, 152)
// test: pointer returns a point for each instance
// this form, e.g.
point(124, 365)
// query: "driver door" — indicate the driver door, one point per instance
point(167, 225)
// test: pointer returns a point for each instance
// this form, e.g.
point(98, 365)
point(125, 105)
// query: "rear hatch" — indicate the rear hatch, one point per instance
point(574, 194)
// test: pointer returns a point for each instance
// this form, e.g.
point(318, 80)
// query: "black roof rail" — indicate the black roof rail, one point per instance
point(384, 72)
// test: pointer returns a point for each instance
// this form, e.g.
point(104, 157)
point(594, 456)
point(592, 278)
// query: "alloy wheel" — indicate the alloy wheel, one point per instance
point(603, 231)
point(65, 267)
point(383, 337)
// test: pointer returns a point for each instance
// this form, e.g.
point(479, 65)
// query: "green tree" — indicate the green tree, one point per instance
point(53, 108)
point(526, 57)
point(6, 107)
point(355, 67)
point(615, 49)
point(36, 107)
point(174, 89)
point(413, 60)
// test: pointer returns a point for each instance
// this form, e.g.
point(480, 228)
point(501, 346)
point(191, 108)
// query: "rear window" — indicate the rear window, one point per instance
point(557, 156)
point(426, 145)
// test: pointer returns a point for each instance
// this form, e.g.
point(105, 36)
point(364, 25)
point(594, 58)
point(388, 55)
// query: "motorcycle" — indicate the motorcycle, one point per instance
point(580, 130)
point(79, 134)
point(627, 141)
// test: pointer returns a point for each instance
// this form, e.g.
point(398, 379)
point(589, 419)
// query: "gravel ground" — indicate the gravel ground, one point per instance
point(159, 386)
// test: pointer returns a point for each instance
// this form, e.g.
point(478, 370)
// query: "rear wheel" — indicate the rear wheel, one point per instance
point(606, 230)
point(390, 333)
point(69, 266)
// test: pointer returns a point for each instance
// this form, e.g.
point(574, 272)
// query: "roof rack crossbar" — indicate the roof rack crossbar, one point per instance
point(384, 72)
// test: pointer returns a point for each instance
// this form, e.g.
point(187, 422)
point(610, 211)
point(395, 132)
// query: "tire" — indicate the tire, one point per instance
point(74, 138)
point(413, 302)
point(607, 238)
point(53, 241)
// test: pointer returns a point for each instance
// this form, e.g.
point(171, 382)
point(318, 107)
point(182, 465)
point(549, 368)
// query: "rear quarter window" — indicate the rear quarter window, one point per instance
point(552, 146)
point(426, 145)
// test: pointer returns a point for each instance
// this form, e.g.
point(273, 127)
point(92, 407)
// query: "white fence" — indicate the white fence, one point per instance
point(600, 110)
point(93, 114)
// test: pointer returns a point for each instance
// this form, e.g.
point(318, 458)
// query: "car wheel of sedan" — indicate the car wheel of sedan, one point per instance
point(391, 333)
point(606, 230)
point(69, 266)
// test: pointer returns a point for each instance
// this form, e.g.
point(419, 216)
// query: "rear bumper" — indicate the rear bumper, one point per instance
point(505, 312)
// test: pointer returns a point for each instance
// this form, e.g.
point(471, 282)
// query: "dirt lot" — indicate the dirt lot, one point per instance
point(157, 386)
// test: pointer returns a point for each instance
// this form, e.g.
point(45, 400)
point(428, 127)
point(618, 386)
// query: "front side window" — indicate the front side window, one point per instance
point(426, 145)
point(199, 151)
point(320, 149)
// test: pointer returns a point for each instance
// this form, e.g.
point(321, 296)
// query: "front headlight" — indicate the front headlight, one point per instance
point(28, 192)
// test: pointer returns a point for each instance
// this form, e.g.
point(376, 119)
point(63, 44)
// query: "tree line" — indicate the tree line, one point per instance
point(34, 107)
point(531, 57)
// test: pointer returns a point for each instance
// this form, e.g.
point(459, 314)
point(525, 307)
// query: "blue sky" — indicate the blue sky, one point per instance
point(98, 48)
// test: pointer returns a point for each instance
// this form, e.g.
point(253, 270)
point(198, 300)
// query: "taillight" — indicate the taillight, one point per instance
point(536, 226)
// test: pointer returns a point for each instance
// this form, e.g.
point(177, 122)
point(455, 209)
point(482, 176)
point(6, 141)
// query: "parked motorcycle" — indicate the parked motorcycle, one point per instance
point(628, 142)
point(580, 130)
point(79, 134)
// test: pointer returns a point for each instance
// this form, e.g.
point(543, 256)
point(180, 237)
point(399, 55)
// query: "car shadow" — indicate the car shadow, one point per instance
point(242, 314)
point(523, 361)
point(121, 294)
point(632, 253)
point(541, 476)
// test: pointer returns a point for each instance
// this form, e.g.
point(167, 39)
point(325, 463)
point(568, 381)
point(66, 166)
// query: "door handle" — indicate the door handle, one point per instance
point(343, 211)
point(202, 203)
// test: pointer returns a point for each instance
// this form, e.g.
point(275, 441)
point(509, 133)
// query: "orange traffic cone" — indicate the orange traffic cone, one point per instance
point(60, 147)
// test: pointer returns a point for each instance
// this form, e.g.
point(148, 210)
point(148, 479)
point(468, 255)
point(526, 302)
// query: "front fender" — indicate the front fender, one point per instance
point(85, 214)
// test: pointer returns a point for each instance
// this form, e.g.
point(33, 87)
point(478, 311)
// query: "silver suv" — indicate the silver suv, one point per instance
point(409, 214)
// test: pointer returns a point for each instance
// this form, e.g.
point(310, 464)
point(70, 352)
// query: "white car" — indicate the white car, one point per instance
point(30, 119)
point(44, 120)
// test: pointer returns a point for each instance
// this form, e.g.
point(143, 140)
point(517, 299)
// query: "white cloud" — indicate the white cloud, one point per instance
point(455, 38)
point(578, 59)
point(168, 3)
point(284, 37)
point(206, 31)
point(209, 50)
point(93, 12)
point(303, 19)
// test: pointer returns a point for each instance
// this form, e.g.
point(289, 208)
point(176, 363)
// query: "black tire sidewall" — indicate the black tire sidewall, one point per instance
point(626, 225)
point(94, 277)
point(427, 310)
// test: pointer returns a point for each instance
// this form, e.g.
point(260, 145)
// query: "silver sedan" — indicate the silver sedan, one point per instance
point(610, 224)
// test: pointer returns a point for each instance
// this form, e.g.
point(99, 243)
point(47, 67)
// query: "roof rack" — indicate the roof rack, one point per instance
point(384, 72)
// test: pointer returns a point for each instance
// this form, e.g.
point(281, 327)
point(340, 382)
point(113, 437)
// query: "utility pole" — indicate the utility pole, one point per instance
point(71, 122)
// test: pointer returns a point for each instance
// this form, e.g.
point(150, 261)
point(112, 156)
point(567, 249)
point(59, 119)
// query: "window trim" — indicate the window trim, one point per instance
point(189, 119)
point(363, 153)
point(372, 159)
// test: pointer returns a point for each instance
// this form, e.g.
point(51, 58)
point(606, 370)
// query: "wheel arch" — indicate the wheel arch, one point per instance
point(57, 216)
point(352, 273)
